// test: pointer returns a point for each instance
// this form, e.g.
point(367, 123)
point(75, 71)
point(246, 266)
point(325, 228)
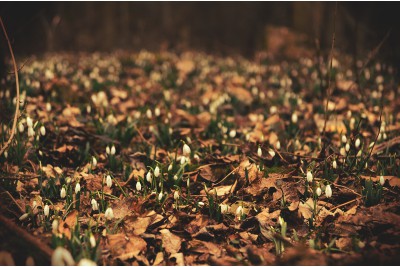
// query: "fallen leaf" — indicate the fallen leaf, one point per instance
point(171, 242)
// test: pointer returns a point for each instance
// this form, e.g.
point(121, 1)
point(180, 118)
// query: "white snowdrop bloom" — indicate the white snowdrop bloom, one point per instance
point(382, 180)
point(347, 147)
point(224, 208)
point(92, 240)
point(42, 130)
point(271, 152)
point(160, 196)
point(170, 167)
point(138, 186)
point(175, 177)
point(176, 195)
point(200, 204)
point(232, 133)
point(273, 109)
point(183, 160)
point(366, 165)
point(21, 127)
point(358, 142)
point(278, 145)
point(157, 111)
point(239, 211)
point(108, 150)
point(109, 214)
point(186, 150)
point(294, 118)
point(54, 226)
point(196, 157)
point(29, 122)
point(318, 191)
point(95, 205)
point(108, 181)
point(342, 151)
point(88, 109)
point(112, 150)
point(63, 193)
point(48, 107)
point(6, 154)
point(46, 210)
point(62, 257)
point(40, 153)
point(344, 139)
point(334, 164)
point(77, 188)
point(157, 171)
point(359, 153)
point(149, 114)
point(31, 132)
point(149, 177)
point(309, 176)
point(328, 191)
point(86, 262)
point(23, 217)
point(259, 152)
point(94, 162)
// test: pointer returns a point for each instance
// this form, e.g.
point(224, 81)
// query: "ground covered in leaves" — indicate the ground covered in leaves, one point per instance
point(164, 159)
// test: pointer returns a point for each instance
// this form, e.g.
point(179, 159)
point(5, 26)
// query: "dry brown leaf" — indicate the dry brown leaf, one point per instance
point(171, 242)
point(126, 247)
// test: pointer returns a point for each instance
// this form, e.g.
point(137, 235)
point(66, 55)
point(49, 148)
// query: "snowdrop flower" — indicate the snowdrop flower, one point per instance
point(31, 132)
point(196, 157)
point(46, 210)
point(176, 195)
point(170, 167)
point(149, 114)
point(88, 109)
point(29, 122)
point(54, 227)
point(175, 177)
point(271, 152)
point(62, 257)
point(94, 162)
point(382, 180)
point(259, 152)
point(112, 150)
point(342, 151)
point(92, 240)
point(86, 262)
point(334, 164)
point(200, 204)
point(183, 160)
point(232, 133)
point(108, 150)
point(95, 205)
point(157, 111)
point(42, 130)
point(23, 217)
point(6, 154)
point(294, 118)
point(318, 191)
point(224, 208)
point(160, 196)
point(309, 177)
point(149, 177)
point(328, 191)
point(186, 150)
point(358, 142)
point(347, 147)
point(138, 186)
point(109, 214)
point(273, 109)
point(63, 193)
point(344, 139)
point(108, 181)
point(21, 127)
point(157, 171)
point(77, 188)
point(278, 145)
point(48, 107)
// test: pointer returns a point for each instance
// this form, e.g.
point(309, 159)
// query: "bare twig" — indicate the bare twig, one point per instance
point(14, 126)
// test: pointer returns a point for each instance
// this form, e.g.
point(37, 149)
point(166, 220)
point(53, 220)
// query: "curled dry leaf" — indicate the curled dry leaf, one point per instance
point(171, 243)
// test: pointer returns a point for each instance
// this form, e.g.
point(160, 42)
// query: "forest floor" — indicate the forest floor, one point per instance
point(189, 159)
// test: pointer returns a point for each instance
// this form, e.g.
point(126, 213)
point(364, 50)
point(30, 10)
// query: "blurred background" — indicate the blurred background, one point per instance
point(226, 28)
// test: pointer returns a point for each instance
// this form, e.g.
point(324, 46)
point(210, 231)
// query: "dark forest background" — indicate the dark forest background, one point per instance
point(218, 27)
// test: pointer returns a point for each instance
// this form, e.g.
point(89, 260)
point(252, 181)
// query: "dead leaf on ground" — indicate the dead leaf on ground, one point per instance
point(171, 242)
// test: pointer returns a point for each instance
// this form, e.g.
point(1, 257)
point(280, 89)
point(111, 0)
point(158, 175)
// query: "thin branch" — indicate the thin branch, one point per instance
point(14, 126)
